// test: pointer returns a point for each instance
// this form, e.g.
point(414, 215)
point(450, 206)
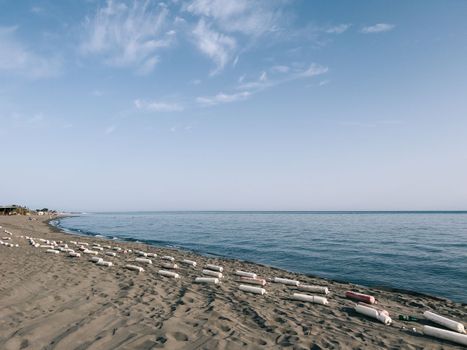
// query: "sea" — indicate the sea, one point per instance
point(424, 252)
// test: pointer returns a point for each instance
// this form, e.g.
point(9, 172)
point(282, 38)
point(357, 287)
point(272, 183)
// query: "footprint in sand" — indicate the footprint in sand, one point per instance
point(180, 336)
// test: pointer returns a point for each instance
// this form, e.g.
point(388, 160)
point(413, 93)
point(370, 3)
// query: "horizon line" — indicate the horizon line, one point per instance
point(271, 211)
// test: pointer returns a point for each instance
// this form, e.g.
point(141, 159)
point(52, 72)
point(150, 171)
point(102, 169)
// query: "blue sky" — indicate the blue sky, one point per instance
point(234, 105)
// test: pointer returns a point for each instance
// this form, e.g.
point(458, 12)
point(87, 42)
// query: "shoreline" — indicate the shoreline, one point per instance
point(107, 308)
point(213, 255)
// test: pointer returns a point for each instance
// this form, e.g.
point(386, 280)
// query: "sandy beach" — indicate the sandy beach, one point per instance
point(51, 301)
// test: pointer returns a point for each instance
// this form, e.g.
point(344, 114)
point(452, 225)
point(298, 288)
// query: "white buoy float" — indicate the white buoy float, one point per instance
point(207, 280)
point(443, 321)
point(152, 255)
point(144, 261)
point(212, 273)
point(189, 262)
point(168, 265)
point(313, 289)
point(90, 252)
point(96, 259)
point(111, 253)
point(74, 255)
point(380, 315)
point(245, 274)
point(287, 281)
point(46, 246)
point(52, 251)
point(251, 280)
point(445, 334)
point(134, 268)
point(140, 253)
point(104, 263)
point(310, 298)
point(251, 289)
point(214, 267)
point(167, 257)
point(168, 273)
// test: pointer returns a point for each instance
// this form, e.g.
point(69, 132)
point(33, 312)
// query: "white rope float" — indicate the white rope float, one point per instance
point(214, 267)
point(310, 298)
point(144, 261)
point(207, 280)
point(445, 334)
point(250, 280)
point(90, 252)
point(287, 281)
point(313, 289)
point(444, 321)
point(212, 273)
point(134, 268)
point(168, 273)
point(96, 259)
point(251, 289)
point(168, 265)
point(245, 274)
point(189, 262)
point(380, 315)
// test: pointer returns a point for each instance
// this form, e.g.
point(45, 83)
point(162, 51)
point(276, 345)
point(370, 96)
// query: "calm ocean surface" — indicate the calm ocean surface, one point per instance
point(424, 252)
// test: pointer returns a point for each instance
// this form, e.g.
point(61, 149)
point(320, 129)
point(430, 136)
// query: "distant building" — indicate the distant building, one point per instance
point(13, 210)
point(8, 210)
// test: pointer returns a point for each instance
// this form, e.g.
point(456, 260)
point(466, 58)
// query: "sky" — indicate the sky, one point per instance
point(234, 105)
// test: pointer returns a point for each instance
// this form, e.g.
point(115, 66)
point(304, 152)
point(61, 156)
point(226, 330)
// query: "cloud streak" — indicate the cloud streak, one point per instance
point(377, 28)
point(217, 46)
point(221, 98)
point(128, 35)
point(226, 28)
point(157, 106)
point(263, 82)
point(338, 29)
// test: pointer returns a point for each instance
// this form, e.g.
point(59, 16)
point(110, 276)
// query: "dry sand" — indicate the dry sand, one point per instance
point(55, 302)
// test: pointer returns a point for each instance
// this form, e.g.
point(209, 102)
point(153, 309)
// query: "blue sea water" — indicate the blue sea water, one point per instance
point(419, 251)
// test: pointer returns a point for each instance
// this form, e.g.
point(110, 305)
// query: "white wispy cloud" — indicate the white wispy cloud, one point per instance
point(246, 89)
point(223, 98)
point(377, 28)
point(338, 29)
point(17, 58)
point(217, 46)
point(225, 28)
point(157, 106)
point(250, 17)
point(313, 70)
point(128, 34)
point(286, 75)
